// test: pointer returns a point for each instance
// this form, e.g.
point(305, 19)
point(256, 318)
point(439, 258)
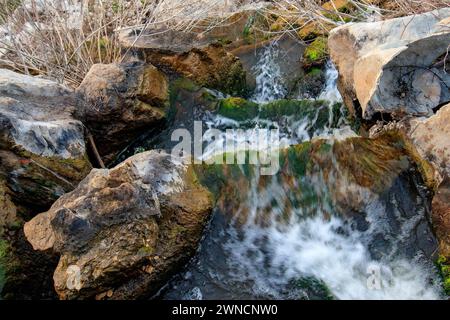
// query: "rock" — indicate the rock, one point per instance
point(120, 102)
point(286, 54)
point(208, 64)
point(391, 66)
point(441, 217)
point(431, 137)
point(24, 273)
point(124, 230)
point(42, 147)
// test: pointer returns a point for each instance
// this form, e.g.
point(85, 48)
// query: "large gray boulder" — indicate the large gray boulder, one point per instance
point(124, 231)
point(394, 66)
point(42, 147)
point(119, 102)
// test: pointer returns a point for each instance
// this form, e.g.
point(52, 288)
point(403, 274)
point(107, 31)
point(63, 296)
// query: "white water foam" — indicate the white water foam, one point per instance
point(322, 247)
point(269, 79)
point(331, 92)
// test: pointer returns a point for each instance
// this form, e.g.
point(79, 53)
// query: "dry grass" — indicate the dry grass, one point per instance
point(63, 38)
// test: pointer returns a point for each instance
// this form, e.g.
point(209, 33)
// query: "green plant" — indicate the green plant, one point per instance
point(444, 269)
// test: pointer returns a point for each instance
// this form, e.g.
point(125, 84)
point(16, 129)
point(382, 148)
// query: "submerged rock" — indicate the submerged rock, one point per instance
point(42, 147)
point(120, 102)
point(393, 66)
point(124, 231)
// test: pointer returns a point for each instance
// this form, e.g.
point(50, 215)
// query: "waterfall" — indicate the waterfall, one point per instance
point(284, 237)
point(330, 92)
point(269, 79)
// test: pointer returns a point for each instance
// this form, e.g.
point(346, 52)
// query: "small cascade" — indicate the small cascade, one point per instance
point(330, 92)
point(269, 80)
point(287, 236)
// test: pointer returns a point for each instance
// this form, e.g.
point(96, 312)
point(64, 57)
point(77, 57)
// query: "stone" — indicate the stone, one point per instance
point(441, 217)
point(431, 137)
point(391, 67)
point(208, 56)
point(124, 230)
point(117, 103)
point(42, 148)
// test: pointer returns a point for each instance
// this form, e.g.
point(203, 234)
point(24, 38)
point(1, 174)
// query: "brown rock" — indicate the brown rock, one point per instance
point(119, 102)
point(431, 136)
point(124, 231)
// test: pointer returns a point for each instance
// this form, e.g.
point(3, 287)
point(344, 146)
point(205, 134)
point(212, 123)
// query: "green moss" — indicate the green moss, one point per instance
point(235, 82)
point(314, 72)
point(237, 109)
point(146, 250)
point(297, 158)
point(443, 266)
point(317, 288)
point(317, 51)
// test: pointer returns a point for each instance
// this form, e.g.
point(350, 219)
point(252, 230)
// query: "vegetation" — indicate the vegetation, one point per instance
point(444, 268)
point(62, 39)
point(316, 52)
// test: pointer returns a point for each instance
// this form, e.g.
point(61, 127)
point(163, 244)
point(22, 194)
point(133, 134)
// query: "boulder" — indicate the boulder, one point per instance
point(206, 63)
point(431, 136)
point(42, 147)
point(393, 66)
point(124, 231)
point(119, 102)
point(203, 54)
point(441, 217)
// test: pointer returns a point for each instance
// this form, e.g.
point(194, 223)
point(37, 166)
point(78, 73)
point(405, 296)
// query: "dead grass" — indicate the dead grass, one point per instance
point(63, 38)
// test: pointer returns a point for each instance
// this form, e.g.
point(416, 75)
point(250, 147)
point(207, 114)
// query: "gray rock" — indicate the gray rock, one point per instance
point(42, 148)
point(392, 66)
point(125, 230)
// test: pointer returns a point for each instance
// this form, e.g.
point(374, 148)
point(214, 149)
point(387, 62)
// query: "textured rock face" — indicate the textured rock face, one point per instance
point(431, 136)
point(209, 65)
point(119, 102)
point(441, 217)
point(392, 66)
point(42, 148)
point(204, 55)
point(125, 230)
point(42, 156)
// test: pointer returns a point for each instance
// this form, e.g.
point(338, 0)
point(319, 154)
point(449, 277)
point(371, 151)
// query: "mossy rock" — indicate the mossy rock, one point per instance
point(317, 52)
point(237, 109)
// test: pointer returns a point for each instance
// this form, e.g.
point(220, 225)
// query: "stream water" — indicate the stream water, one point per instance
point(303, 248)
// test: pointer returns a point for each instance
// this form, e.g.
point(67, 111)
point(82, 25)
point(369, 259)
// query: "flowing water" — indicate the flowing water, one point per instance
point(286, 237)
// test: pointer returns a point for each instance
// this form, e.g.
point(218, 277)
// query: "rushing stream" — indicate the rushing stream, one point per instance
point(284, 237)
